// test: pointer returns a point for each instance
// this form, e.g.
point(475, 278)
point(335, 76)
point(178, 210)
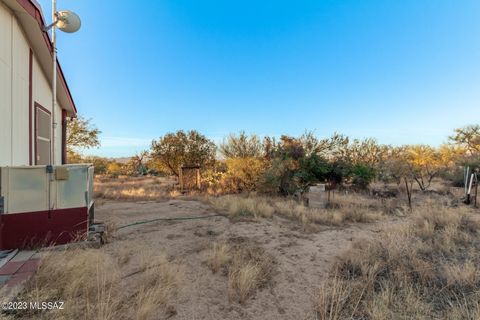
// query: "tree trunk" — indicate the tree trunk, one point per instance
point(409, 193)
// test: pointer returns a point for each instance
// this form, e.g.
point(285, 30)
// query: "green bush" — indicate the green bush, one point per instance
point(289, 176)
point(362, 176)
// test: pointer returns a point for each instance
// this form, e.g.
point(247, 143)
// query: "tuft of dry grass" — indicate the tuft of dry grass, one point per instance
point(243, 280)
point(91, 285)
point(247, 267)
point(426, 269)
point(219, 256)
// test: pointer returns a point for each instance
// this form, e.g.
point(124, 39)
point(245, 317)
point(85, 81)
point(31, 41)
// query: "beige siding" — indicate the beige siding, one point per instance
point(20, 97)
point(5, 86)
point(58, 135)
point(14, 95)
point(41, 87)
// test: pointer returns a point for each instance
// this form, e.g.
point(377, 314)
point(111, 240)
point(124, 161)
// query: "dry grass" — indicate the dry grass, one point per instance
point(84, 279)
point(238, 206)
point(341, 210)
point(219, 256)
point(247, 267)
point(427, 269)
point(158, 286)
point(90, 283)
point(135, 188)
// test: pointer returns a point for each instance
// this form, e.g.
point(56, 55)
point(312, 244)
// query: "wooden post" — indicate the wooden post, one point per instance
point(199, 185)
point(476, 190)
point(180, 177)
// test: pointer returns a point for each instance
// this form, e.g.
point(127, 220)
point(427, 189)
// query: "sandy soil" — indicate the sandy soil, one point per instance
point(302, 258)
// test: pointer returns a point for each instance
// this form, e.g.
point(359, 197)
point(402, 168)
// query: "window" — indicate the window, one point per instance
point(43, 133)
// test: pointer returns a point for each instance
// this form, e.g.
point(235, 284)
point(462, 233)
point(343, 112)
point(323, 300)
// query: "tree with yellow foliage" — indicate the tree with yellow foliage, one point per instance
point(426, 162)
point(244, 174)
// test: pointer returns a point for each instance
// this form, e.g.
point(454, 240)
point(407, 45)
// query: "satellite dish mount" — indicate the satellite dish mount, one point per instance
point(68, 22)
point(65, 20)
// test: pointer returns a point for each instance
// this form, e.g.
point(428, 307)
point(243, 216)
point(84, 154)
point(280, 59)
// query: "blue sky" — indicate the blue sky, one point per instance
point(402, 71)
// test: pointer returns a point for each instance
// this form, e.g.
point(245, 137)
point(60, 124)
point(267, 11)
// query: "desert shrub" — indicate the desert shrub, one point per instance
point(338, 173)
point(115, 169)
point(427, 269)
point(212, 178)
point(362, 176)
point(454, 173)
point(137, 165)
point(292, 171)
point(243, 174)
point(455, 176)
point(174, 150)
point(242, 146)
point(100, 164)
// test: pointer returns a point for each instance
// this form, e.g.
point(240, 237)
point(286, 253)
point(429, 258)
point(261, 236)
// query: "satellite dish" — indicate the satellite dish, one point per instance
point(68, 21)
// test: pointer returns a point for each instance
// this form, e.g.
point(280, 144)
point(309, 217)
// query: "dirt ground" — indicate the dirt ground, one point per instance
point(302, 259)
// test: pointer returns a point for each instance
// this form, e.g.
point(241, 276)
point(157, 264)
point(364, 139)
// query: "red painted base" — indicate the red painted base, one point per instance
point(43, 228)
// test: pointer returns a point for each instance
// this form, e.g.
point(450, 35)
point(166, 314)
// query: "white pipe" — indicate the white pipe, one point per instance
point(51, 205)
point(471, 182)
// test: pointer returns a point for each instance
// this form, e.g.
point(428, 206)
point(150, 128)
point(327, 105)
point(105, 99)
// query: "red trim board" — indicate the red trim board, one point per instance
point(30, 107)
point(36, 229)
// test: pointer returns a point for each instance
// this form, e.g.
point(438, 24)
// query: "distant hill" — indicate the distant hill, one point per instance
point(120, 160)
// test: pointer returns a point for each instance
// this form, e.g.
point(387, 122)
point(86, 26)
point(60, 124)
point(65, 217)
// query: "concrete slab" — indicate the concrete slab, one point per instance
point(15, 273)
point(7, 255)
point(37, 255)
point(4, 279)
point(23, 256)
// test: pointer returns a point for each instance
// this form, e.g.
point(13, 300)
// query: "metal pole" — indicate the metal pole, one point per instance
point(54, 82)
point(476, 189)
point(54, 103)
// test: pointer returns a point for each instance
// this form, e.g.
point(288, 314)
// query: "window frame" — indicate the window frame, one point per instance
point(38, 107)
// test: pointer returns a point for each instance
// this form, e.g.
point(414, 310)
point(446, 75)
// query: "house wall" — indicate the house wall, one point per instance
point(16, 113)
